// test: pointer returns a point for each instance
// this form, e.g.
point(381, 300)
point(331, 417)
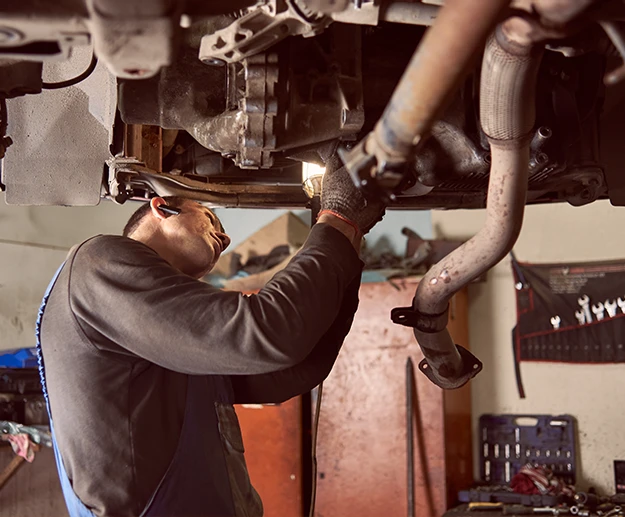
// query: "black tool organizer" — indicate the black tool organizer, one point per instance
point(507, 443)
point(552, 324)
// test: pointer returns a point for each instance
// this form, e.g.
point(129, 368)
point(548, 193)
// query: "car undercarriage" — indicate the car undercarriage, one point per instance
point(501, 104)
point(236, 97)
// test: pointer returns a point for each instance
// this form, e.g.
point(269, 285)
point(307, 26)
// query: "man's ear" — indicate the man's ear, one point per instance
point(155, 202)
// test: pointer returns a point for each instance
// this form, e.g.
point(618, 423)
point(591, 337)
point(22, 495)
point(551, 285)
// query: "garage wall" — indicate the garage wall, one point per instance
point(33, 243)
point(385, 236)
point(594, 394)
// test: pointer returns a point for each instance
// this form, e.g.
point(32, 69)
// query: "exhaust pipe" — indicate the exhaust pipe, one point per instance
point(507, 105)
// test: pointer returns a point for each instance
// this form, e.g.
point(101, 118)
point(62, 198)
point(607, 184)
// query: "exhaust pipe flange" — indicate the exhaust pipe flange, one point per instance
point(444, 375)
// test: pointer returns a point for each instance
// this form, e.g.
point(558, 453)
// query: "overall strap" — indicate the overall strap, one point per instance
point(42, 309)
point(75, 506)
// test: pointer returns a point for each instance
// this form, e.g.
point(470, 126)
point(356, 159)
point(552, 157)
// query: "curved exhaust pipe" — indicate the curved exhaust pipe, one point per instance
point(507, 114)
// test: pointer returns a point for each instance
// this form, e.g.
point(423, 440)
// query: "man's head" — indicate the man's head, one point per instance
point(191, 241)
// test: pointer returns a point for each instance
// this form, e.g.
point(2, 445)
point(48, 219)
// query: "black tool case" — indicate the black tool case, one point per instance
point(508, 442)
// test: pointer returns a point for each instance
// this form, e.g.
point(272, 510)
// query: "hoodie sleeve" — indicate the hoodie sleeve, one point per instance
point(127, 299)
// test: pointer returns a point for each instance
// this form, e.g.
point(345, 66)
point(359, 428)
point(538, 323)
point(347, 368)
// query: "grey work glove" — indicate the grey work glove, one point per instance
point(341, 197)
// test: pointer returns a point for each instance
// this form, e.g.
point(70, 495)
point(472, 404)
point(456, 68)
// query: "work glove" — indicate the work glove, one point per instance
point(342, 198)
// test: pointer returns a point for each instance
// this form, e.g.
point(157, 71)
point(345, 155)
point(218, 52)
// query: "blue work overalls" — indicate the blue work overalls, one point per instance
point(197, 482)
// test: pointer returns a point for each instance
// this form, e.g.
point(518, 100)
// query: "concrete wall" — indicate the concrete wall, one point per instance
point(33, 243)
point(594, 394)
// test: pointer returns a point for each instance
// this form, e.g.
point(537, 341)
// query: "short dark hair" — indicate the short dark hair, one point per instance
point(137, 217)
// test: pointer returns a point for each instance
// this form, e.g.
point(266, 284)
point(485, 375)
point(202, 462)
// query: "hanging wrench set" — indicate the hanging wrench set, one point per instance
point(569, 313)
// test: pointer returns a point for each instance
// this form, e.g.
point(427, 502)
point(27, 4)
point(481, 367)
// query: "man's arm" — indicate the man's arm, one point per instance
point(282, 385)
point(126, 298)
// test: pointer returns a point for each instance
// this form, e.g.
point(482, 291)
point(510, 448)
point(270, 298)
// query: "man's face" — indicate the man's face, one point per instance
point(198, 238)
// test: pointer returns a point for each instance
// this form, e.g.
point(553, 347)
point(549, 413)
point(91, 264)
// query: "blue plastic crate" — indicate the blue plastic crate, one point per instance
point(19, 358)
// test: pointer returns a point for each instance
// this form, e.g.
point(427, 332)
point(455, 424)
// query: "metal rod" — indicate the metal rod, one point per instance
point(410, 437)
point(274, 196)
point(409, 13)
point(436, 70)
point(315, 431)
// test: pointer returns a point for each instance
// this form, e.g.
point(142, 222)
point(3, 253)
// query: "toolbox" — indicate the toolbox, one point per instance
point(508, 442)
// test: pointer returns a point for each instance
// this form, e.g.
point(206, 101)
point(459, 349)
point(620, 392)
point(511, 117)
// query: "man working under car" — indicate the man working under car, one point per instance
point(143, 362)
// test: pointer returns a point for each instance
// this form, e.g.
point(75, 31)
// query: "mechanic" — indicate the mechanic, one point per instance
point(143, 361)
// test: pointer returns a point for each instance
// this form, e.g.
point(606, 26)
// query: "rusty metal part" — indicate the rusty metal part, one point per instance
point(542, 135)
point(145, 143)
point(124, 183)
point(126, 174)
point(449, 152)
point(259, 108)
point(427, 323)
point(306, 93)
point(258, 29)
point(410, 436)
point(507, 93)
point(446, 364)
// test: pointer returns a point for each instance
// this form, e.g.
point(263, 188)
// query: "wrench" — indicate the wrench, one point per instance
point(610, 307)
point(621, 303)
point(581, 317)
point(584, 302)
point(598, 310)
point(555, 321)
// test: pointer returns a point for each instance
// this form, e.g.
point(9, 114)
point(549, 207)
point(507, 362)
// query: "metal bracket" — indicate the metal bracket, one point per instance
point(260, 28)
point(430, 323)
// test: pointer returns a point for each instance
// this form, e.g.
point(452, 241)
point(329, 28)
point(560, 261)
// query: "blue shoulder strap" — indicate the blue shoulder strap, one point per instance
point(42, 309)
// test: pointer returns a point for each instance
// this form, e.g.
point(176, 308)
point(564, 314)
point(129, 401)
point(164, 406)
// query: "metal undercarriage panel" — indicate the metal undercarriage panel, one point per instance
point(248, 92)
